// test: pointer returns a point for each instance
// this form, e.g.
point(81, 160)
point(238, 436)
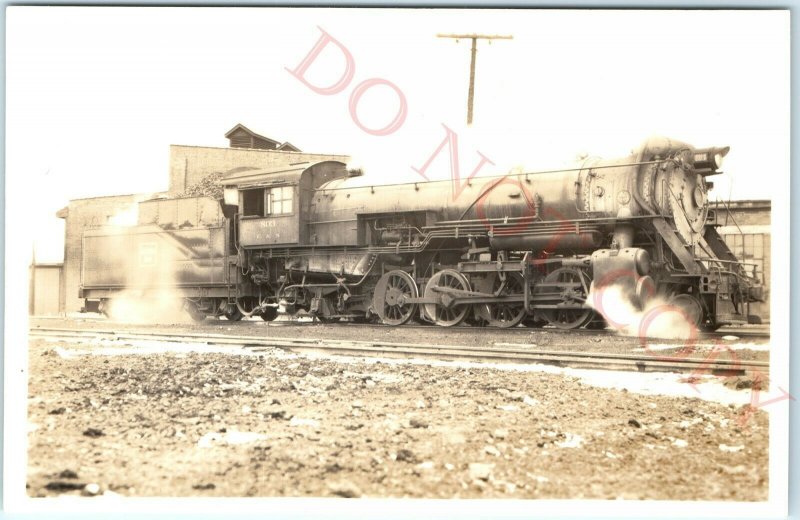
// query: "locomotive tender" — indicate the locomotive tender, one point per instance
point(526, 248)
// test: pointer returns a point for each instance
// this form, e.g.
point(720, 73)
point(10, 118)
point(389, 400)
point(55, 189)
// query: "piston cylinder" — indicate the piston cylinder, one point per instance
point(626, 268)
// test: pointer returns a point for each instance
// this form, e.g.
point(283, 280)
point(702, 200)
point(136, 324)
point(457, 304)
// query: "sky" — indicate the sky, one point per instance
point(96, 95)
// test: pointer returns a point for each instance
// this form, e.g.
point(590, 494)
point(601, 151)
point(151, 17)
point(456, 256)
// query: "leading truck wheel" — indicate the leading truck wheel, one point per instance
point(389, 298)
point(689, 307)
point(194, 313)
point(234, 315)
point(269, 313)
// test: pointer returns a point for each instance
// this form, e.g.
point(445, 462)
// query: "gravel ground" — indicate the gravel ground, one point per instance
point(278, 424)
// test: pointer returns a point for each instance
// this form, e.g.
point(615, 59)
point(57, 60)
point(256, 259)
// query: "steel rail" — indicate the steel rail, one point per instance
point(466, 327)
point(500, 352)
point(519, 330)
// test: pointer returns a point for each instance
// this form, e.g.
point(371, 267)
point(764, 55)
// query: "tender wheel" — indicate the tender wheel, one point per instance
point(269, 313)
point(391, 293)
point(445, 314)
point(194, 313)
point(234, 315)
point(504, 315)
point(568, 318)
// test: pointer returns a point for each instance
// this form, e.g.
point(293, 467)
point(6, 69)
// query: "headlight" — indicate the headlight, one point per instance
point(718, 161)
point(708, 160)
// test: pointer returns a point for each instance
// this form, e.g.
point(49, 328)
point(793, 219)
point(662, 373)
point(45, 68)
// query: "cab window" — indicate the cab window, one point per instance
point(280, 200)
point(267, 202)
point(253, 203)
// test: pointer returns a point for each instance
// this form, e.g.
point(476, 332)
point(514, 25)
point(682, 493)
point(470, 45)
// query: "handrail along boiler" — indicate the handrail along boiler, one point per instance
point(518, 248)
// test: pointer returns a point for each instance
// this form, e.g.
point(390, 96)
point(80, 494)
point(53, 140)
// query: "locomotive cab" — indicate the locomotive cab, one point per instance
point(274, 204)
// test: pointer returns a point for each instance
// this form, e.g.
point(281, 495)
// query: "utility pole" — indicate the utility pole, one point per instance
point(473, 55)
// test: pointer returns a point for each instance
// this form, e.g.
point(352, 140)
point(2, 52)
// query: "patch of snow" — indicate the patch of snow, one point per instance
point(685, 425)
point(231, 438)
point(707, 388)
point(762, 347)
point(298, 421)
point(530, 401)
point(491, 450)
point(377, 376)
point(679, 443)
point(538, 478)
point(572, 441)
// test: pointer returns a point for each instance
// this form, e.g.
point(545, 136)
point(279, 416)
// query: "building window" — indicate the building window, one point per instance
point(280, 200)
point(750, 248)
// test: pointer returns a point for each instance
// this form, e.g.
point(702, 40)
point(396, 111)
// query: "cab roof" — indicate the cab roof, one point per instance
point(319, 173)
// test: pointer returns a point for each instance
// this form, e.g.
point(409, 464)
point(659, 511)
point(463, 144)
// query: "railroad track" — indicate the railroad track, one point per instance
point(501, 352)
point(751, 334)
point(741, 333)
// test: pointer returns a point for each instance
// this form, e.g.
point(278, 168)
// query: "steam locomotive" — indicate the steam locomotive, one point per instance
point(527, 248)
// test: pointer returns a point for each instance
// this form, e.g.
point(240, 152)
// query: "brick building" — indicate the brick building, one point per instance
point(745, 226)
point(81, 214)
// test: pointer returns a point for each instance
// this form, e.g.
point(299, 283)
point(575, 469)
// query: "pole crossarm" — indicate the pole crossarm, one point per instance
point(478, 36)
point(473, 56)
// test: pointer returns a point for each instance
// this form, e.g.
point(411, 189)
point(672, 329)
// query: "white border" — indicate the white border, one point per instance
point(18, 245)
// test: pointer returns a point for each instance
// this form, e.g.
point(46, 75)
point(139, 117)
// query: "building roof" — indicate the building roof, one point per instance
point(288, 147)
point(240, 126)
point(744, 204)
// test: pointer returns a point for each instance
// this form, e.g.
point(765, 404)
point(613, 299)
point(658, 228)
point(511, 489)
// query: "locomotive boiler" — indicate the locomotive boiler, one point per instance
point(503, 250)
